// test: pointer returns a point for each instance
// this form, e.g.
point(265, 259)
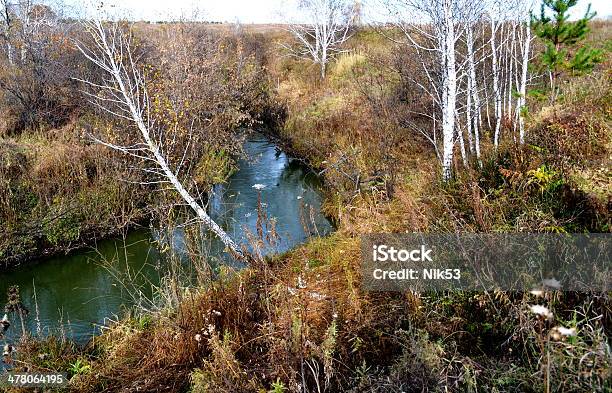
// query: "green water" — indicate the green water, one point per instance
point(76, 294)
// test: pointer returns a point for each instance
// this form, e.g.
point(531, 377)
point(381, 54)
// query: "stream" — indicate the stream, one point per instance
point(76, 294)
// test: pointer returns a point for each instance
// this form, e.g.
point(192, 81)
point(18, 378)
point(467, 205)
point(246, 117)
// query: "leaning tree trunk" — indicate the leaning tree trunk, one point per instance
point(127, 94)
point(178, 186)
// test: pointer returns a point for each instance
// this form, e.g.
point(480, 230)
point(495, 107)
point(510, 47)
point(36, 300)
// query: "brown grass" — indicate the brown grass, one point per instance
point(302, 318)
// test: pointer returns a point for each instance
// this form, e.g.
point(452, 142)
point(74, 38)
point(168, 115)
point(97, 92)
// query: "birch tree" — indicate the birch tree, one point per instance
point(447, 34)
point(473, 108)
point(34, 60)
point(495, 73)
point(325, 27)
point(6, 20)
point(509, 40)
point(525, 39)
point(123, 93)
point(434, 29)
point(22, 22)
point(474, 57)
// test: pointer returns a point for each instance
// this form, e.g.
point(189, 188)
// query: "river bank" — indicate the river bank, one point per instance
point(60, 194)
point(80, 291)
point(63, 195)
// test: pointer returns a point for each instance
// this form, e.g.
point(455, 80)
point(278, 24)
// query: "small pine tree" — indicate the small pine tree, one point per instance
point(560, 35)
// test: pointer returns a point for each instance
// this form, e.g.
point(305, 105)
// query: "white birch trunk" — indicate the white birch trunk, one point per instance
point(468, 115)
point(473, 96)
point(323, 62)
point(517, 84)
point(511, 71)
point(496, 92)
point(485, 88)
point(523, 87)
point(127, 94)
point(163, 164)
point(9, 53)
point(462, 149)
point(450, 91)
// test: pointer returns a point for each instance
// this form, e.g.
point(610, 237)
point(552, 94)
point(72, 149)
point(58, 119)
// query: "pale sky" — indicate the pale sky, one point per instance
point(244, 11)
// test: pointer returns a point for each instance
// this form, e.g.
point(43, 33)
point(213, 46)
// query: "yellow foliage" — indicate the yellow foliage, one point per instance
point(346, 63)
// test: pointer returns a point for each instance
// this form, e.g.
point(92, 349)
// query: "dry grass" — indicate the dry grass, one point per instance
point(59, 191)
point(304, 322)
point(300, 321)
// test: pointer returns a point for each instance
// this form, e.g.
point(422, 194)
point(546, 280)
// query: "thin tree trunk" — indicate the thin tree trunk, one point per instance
point(468, 115)
point(160, 160)
point(10, 53)
point(517, 84)
point(496, 92)
point(178, 186)
point(486, 86)
point(523, 88)
point(450, 91)
point(462, 149)
point(511, 72)
point(23, 328)
point(473, 96)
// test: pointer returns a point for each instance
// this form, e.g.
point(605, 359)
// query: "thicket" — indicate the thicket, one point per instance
point(59, 190)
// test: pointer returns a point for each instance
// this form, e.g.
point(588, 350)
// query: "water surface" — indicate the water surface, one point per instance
point(77, 293)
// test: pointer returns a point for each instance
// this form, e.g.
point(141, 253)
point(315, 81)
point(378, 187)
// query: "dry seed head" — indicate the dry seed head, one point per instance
point(551, 283)
point(541, 311)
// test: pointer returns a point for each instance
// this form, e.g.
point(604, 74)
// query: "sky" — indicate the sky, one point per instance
point(243, 11)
